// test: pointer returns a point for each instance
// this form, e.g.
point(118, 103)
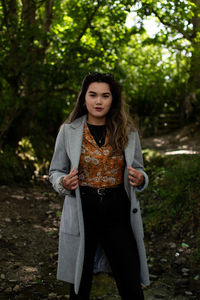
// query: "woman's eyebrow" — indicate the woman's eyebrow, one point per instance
point(91, 92)
point(106, 93)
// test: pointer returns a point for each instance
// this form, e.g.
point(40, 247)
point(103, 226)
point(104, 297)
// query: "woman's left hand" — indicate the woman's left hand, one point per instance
point(136, 178)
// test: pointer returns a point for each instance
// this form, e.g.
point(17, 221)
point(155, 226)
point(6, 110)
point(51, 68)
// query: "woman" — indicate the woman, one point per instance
point(97, 164)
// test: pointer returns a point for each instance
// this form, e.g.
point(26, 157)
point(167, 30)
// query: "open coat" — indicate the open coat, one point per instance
point(71, 238)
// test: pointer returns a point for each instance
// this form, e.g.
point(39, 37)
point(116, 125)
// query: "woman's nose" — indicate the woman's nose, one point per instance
point(99, 100)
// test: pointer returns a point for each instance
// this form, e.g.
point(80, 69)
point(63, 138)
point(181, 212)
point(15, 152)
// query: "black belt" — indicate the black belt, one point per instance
point(99, 191)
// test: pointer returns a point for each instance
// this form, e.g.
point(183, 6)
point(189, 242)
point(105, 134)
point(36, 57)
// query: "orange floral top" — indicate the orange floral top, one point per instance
point(98, 167)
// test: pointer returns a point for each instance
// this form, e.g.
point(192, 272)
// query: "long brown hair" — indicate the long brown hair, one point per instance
point(118, 121)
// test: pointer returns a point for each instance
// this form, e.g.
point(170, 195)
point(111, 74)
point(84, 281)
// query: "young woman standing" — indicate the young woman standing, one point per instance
point(97, 164)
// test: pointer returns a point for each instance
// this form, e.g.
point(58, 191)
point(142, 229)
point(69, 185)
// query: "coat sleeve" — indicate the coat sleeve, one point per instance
point(138, 163)
point(60, 163)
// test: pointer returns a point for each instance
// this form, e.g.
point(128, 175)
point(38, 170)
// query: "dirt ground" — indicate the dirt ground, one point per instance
point(29, 220)
point(185, 140)
point(29, 223)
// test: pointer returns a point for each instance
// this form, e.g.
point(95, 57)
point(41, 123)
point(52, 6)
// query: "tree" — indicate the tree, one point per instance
point(153, 81)
point(181, 20)
point(45, 49)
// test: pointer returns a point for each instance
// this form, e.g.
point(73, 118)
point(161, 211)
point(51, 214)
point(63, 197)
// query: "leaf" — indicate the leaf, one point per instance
point(58, 213)
point(184, 245)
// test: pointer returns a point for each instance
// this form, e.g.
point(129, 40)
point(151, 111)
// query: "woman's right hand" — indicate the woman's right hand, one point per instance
point(70, 181)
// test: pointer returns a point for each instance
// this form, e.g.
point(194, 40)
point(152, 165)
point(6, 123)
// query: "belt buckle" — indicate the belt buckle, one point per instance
point(101, 191)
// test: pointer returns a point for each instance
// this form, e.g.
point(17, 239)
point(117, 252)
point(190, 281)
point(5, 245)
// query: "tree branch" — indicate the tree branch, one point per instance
point(196, 18)
point(47, 23)
point(6, 21)
point(166, 23)
point(48, 15)
point(89, 21)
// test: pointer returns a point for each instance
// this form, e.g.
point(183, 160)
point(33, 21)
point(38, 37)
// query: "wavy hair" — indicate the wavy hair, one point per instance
point(118, 120)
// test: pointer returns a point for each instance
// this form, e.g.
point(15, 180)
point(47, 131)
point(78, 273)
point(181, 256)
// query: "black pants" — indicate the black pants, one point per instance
point(107, 221)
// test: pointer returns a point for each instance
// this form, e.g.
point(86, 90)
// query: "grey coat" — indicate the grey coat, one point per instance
point(71, 239)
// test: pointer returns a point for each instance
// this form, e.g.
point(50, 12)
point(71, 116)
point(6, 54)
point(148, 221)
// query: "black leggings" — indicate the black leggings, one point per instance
point(107, 221)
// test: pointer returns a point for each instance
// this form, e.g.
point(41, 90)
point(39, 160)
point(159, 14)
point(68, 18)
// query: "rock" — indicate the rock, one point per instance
point(3, 276)
point(185, 270)
point(52, 296)
point(180, 250)
point(3, 286)
point(153, 277)
point(8, 290)
point(18, 197)
point(188, 293)
point(8, 220)
point(3, 187)
point(172, 245)
point(180, 260)
point(13, 280)
point(163, 260)
point(16, 288)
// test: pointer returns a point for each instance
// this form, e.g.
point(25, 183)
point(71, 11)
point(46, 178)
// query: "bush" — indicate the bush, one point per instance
point(15, 169)
point(172, 201)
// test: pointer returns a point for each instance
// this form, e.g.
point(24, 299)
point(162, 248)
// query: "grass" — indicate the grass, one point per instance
point(172, 201)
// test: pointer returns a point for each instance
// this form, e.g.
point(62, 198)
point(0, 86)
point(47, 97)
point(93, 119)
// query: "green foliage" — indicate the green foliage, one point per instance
point(15, 168)
point(47, 47)
point(153, 85)
point(171, 202)
point(180, 34)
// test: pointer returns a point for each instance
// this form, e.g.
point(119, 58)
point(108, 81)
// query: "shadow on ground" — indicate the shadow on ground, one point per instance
point(29, 222)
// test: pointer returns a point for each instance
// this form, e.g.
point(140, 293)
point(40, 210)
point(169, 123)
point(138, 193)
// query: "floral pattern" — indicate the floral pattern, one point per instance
point(98, 167)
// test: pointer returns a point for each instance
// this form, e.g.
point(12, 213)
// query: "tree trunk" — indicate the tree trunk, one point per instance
point(19, 127)
point(194, 79)
point(22, 64)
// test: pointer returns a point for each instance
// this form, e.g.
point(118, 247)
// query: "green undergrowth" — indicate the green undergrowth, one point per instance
point(21, 165)
point(171, 203)
point(15, 169)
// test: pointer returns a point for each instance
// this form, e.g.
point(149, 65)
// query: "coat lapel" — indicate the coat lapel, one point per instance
point(130, 149)
point(75, 140)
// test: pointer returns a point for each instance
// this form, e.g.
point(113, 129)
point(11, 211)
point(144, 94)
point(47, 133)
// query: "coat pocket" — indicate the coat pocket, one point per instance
point(69, 219)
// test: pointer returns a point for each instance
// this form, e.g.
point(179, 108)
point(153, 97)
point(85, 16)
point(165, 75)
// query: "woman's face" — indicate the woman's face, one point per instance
point(98, 100)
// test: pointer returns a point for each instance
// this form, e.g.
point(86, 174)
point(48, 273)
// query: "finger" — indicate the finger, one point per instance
point(71, 176)
point(74, 187)
point(74, 171)
point(69, 180)
point(133, 178)
point(132, 171)
point(134, 181)
point(73, 179)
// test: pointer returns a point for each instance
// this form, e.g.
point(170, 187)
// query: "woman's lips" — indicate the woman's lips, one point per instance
point(98, 108)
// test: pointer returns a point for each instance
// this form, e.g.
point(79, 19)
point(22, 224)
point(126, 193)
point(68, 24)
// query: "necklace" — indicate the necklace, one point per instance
point(99, 133)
